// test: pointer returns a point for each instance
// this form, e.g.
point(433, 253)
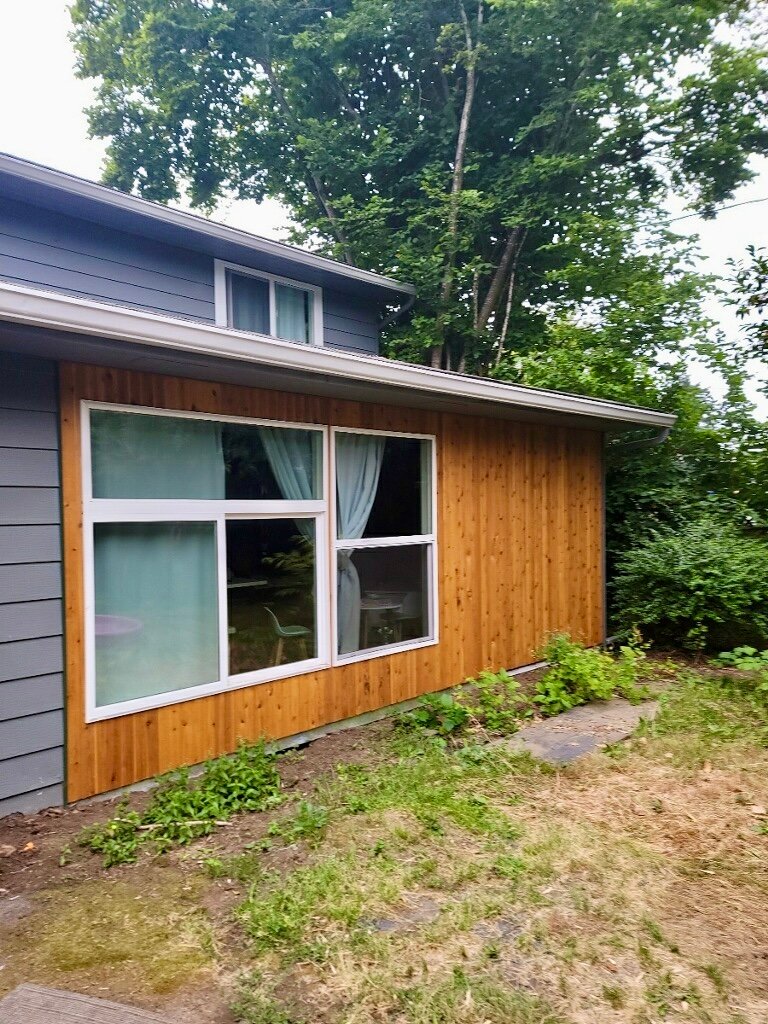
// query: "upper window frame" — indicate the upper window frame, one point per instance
point(222, 310)
point(429, 540)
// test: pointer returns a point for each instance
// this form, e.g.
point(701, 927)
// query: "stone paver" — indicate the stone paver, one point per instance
point(582, 730)
point(33, 1004)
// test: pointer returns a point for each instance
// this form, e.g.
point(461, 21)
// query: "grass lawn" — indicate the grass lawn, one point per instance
point(409, 884)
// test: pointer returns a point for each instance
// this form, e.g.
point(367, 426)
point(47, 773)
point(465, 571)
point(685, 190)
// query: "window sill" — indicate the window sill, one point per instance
point(380, 652)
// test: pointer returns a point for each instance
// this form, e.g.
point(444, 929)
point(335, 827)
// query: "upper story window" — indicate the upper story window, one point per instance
point(250, 300)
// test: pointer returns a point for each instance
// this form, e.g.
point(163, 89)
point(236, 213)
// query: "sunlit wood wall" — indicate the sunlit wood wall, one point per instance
point(519, 555)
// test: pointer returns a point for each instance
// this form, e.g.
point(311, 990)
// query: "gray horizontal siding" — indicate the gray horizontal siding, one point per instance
point(51, 796)
point(30, 581)
point(28, 428)
point(350, 323)
point(30, 734)
point(28, 620)
point(46, 249)
point(19, 544)
point(51, 250)
point(31, 772)
point(31, 645)
point(22, 697)
point(29, 468)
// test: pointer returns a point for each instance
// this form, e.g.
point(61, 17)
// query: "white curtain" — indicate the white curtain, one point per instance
point(293, 309)
point(292, 458)
point(358, 465)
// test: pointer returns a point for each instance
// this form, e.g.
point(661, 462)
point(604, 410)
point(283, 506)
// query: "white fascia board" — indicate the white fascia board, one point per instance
point(85, 189)
point(59, 312)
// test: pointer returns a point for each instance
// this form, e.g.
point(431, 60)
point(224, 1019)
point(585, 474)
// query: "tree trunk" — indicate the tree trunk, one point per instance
point(457, 182)
point(510, 293)
point(509, 257)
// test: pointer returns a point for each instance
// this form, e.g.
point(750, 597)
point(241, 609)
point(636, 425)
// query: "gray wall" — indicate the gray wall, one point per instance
point(31, 648)
point(46, 249)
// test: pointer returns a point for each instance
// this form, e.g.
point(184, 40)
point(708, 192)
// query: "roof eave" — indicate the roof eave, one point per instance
point(69, 184)
point(71, 315)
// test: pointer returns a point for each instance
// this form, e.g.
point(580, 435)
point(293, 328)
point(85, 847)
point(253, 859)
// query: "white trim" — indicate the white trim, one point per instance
point(427, 540)
point(217, 512)
point(72, 185)
point(222, 298)
point(56, 311)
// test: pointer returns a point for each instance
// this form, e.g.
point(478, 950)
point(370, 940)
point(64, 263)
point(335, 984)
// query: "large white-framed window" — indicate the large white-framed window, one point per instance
point(205, 554)
point(385, 597)
point(261, 303)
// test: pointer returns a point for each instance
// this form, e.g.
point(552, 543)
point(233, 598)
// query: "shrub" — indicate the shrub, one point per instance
point(490, 702)
point(705, 583)
point(745, 659)
point(578, 674)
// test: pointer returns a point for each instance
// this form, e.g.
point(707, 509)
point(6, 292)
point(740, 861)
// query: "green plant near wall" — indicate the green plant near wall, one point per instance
point(579, 674)
point(181, 809)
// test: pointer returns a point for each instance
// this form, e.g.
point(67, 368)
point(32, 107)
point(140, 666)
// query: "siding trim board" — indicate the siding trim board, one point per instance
point(31, 621)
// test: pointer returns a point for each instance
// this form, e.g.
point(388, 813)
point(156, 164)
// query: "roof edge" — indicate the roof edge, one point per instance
point(86, 189)
point(60, 312)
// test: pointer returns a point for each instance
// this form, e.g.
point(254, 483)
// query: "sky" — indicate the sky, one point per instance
point(42, 118)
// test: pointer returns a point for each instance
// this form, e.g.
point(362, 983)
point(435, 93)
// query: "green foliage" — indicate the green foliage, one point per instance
point(577, 674)
point(181, 809)
point(490, 703)
point(750, 297)
point(309, 824)
point(705, 583)
point(701, 713)
point(746, 659)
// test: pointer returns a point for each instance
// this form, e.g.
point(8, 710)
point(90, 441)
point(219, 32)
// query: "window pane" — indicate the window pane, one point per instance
point(383, 596)
point(293, 313)
point(156, 595)
point(136, 455)
point(270, 592)
point(248, 303)
point(383, 486)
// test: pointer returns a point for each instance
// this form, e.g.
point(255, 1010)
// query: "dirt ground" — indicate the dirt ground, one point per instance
point(630, 888)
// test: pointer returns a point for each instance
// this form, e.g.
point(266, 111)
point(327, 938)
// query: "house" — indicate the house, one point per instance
point(223, 515)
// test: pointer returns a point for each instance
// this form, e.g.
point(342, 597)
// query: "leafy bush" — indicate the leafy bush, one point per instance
point(180, 809)
point(705, 582)
point(490, 702)
point(746, 659)
point(578, 674)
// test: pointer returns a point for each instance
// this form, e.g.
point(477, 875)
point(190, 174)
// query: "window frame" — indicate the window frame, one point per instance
point(429, 540)
point(216, 511)
point(222, 309)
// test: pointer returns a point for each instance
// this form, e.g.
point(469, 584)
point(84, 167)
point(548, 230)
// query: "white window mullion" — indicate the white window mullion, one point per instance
point(221, 553)
point(272, 308)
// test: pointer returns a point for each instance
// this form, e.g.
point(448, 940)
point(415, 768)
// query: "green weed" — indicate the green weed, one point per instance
point(181, 809)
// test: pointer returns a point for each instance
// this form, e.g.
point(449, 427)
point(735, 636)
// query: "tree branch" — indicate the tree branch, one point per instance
point(315, 182)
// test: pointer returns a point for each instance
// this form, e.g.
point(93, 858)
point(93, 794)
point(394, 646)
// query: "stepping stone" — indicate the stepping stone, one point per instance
point(582, 730)
point(33, 1004)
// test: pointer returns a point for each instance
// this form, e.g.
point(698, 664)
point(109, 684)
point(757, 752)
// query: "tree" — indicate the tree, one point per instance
point(464, 145)
point(751, 300)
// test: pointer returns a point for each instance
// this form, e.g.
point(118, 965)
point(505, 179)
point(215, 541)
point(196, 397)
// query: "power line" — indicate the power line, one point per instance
point(732, 206)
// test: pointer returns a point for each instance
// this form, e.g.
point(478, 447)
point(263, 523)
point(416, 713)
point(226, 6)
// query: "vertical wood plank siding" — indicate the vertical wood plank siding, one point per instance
point(520, 554)
point(31, 682)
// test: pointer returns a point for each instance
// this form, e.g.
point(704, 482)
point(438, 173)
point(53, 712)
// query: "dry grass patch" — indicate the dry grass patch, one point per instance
point(133, 939)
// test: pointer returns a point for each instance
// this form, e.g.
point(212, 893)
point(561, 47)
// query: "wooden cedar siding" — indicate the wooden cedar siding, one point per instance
point(520, 554)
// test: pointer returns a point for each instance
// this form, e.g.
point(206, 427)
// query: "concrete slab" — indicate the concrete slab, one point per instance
point(33, 1004)
point(582, 730)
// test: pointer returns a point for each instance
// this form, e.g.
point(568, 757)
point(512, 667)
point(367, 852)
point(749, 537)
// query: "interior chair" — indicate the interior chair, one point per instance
point(283, 633)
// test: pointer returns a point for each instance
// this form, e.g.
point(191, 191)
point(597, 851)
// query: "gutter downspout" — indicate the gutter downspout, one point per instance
point(645, 442)
point(399, 313)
